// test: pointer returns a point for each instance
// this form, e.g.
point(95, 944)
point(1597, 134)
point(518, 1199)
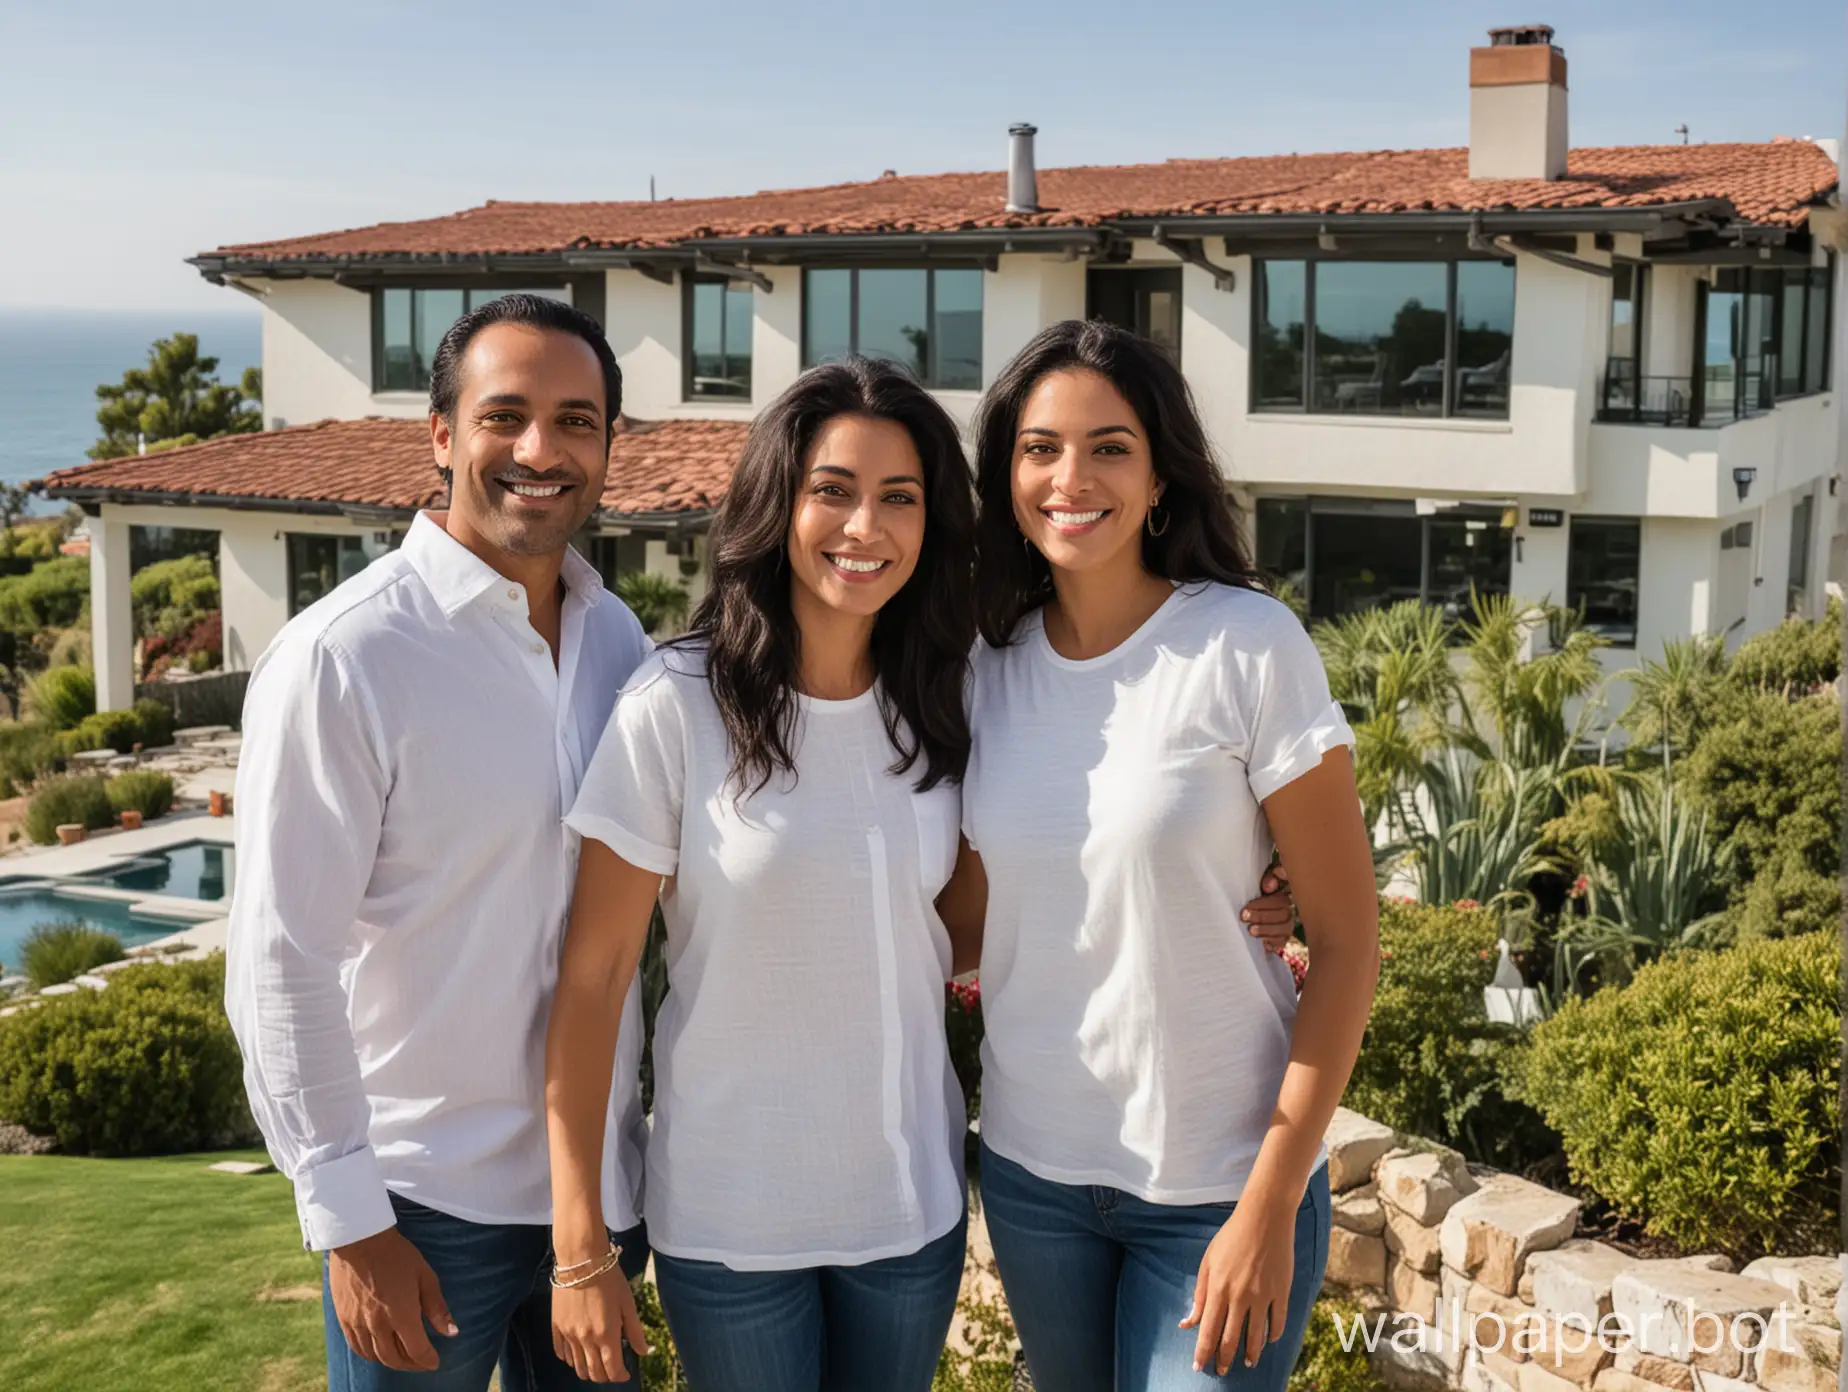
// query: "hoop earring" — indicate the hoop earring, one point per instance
point(1149, 521)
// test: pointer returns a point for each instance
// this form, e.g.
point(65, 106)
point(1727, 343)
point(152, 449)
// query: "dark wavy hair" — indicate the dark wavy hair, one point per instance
point(1201, 541)
point(921, 638)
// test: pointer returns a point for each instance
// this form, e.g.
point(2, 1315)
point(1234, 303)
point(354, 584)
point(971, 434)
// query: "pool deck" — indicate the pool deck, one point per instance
point(204, 920)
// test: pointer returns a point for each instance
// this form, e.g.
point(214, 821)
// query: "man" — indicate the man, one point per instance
point(411, 743)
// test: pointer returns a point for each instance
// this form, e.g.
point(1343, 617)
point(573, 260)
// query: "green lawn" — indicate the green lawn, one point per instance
point(154, 1276)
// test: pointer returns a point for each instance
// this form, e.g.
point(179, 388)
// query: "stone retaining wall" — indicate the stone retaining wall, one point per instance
point(1438, 1250)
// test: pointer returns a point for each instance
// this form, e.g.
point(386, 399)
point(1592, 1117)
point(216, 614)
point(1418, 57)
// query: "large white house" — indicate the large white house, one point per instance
point(1598, 375)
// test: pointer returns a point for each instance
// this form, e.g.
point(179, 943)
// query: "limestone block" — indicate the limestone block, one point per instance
point(1354, 1143)
point(1489, 1234)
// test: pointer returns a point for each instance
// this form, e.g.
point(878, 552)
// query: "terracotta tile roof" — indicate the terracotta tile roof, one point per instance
point(655, 467)
point(1769, 183)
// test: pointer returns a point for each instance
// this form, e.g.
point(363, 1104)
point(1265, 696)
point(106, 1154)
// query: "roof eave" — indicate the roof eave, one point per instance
point(95, 495)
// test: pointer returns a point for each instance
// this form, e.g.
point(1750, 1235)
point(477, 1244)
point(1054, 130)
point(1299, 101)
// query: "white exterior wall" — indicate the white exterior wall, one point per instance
point(253, 581)
point(317, 356)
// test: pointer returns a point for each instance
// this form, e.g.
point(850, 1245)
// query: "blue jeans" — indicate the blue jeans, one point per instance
point(1098, 1282)
point(496, 1280)
point(873, 1328)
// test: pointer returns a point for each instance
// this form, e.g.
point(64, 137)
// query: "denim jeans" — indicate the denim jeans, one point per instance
point(873, 1328)
point(496, 1280)
point(1098, 1282)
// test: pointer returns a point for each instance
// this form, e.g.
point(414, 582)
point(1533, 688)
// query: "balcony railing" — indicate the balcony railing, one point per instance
point(1719, 396)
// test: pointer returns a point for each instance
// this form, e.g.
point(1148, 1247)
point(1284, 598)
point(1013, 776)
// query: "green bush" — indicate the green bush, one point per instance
point(56, 952)
point(63, 697)
point(1430, 1061)
point(27, 751)
point(147, 1067)
point(1768, 776)
point(72, 798)
point(1794, 657)
point(1789, 897)
point(53, 594)
point(1324, 1365)
point(141, 790)
point(117, 730)
point(1701, 1099)
point(169, 597)
point(156, 721)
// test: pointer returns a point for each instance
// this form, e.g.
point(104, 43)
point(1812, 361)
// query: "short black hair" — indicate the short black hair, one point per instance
point(538, 312)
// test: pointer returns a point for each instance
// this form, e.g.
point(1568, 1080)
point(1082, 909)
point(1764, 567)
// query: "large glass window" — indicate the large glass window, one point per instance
point(929, 321)
point(718, 337)
point(1485, 338)
point(408, 325)
point(1796, 590)
point(1603, 574)
point(1816, 328)
point(1380, 335)
point(1281, 340)
point(1623, 369)
point(317, 563)
point(1794, 301)
point(1351, 554)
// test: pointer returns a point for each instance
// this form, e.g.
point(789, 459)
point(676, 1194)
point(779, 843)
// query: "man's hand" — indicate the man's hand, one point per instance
point(1272, 917)
point(591, 1323)
point(383, 1292)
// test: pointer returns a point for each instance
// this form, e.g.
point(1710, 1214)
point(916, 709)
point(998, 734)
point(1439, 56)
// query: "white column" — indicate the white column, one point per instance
point(253, 584)
point(112, 622)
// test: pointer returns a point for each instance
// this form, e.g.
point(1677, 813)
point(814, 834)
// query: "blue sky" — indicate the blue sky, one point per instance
point(132, 135)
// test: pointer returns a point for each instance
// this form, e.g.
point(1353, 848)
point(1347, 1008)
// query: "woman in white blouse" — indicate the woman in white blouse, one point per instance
point(792, 769)
point(1148, 726)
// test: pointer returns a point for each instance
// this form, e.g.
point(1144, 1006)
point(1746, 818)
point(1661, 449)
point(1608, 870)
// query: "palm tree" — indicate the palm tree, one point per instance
point(1523, 699)
point(1671, 700)
point(655, 599)
point(1390, 670)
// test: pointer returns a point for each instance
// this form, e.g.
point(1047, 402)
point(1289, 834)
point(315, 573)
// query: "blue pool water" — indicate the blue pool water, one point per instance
point(22, 910)
point(193, 870)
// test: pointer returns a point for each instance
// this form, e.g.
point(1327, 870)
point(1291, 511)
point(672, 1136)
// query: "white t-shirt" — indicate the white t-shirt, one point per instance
point(806, 1112)
point(1137, 1034)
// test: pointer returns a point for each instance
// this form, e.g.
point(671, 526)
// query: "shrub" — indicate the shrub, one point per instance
point(168, 597)
point(1701, 1099)
point(653, 599)
point(156, 721)
point(53, 594)
point(63, 697)
point(56, 952)
point(141, 790)
point(117, 730)
point(1794, 657)
point(27, 751)
point(147, 1067)
point(1324, 1365)
point(72, 798)
point(1769, 778)
point(1430, 1061)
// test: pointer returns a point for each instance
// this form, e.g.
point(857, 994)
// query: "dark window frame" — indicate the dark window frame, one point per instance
point(1750, 278)
point(1311, 260)
point(933, 375)
point(689, 280)
point(1400, 508)
point(496, 285)
point(1612, 520)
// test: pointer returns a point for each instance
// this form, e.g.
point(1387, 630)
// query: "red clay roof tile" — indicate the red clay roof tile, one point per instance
point(1770, 183)
point(655, 467)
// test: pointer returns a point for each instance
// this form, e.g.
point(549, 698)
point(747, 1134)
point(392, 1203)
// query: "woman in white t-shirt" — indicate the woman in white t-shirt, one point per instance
point(792, 769)
point(1148, 724)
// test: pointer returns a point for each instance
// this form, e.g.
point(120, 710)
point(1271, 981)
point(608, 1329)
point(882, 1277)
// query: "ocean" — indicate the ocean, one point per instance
point(51, 362)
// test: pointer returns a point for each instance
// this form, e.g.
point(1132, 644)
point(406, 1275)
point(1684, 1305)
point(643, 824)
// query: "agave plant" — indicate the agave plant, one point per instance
point(1646, 887)
point(1472, 828)
point(654, 599)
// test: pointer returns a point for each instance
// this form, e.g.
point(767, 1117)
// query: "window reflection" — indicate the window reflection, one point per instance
point(1379, 337)
point(893, 318)
point(318, 563)
point(719, 337)
point(958, 330)
point(1603, 569)
point(827, 316)
point(1281, 290)
point(409, 325)
point(927, 321)
point(1485, 338)
point(1364, 560)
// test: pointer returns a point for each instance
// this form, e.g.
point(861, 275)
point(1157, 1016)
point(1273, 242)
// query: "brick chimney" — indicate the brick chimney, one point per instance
point(1517, 106)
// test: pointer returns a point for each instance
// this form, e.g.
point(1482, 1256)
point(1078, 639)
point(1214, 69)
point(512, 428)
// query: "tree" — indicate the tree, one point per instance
point(654, 599)
point(176, 399)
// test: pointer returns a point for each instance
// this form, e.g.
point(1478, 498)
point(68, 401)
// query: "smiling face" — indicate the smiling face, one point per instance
point(858, 525)
point(528, 448)
point(1083, 476)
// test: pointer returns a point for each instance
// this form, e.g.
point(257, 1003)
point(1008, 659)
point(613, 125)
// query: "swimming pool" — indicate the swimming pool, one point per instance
point(190, 870)
point(23, 909)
